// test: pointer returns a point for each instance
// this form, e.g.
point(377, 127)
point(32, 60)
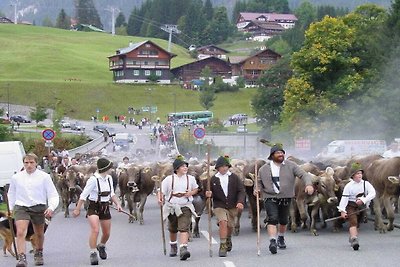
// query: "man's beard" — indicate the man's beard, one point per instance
point(278, 159)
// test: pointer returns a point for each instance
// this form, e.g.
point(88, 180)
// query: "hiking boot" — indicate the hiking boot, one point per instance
point(174, 250)
point(273, 246)
point(102, 251)
point(38, 257)
point(281, 242)
point(184, 253)
point(22, 260)
point(223, 249)
point(229, 243)
point(94, 260)
point(354, 243)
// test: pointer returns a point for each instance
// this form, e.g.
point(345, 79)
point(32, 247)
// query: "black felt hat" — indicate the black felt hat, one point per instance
point(178, 162)
point(223, 161)
point(356, 167)
point(103, 165)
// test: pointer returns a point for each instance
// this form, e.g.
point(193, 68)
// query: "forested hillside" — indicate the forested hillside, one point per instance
point(37, 11)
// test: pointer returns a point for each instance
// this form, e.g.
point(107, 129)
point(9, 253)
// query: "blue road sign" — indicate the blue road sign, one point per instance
point(199, 133)
point(48, 134)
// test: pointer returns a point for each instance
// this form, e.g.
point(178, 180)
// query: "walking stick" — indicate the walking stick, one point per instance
point(258, 209)
point(124, 212)
point(338, 217)
point(162, 220)
point(209, 202)
point(11, 223)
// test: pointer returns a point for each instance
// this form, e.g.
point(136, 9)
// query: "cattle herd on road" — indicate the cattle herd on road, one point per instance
point(136, 181)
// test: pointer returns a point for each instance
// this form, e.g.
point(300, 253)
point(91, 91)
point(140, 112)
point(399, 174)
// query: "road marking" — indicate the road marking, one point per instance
point(229, 264)
point(205, 233)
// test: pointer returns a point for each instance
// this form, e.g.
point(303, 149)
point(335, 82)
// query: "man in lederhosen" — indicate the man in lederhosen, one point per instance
point(277, 179)
point(177, 192)
point(99, 190)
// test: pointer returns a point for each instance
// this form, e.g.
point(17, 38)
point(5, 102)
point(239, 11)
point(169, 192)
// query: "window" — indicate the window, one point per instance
point(158, 72)
point(147, 72)
point(136, 72)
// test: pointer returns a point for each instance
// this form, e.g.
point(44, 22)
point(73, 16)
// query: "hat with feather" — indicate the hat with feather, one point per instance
point(178, 162)
point(355, 167)
point(223, 161)
point(274, 147)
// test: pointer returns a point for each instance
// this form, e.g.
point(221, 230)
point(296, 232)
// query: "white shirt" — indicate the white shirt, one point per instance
point(180, 186)
point(275, 169)
point(352, 189)
point(91, 188)
point(224, 179)
point(32, 189)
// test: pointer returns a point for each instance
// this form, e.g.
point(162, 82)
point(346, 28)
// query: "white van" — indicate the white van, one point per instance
point(348, 148)
point(11, 160)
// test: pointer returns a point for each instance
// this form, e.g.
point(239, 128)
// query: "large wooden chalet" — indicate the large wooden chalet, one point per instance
point(211, 50)
point(252, 67)
point(141, 63)
point(262, 26)
point(192, 71)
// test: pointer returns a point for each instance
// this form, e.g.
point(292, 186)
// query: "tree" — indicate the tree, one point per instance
point(39, 113)
point(63, 21)
point(219, 29)
point(120, 21)
point(47, 22)
point(267, 104)
point(208, 10)
point(207, 97)
point(86, 13)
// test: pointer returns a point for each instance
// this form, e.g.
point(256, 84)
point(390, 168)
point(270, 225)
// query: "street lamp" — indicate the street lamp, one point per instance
point(149, 104)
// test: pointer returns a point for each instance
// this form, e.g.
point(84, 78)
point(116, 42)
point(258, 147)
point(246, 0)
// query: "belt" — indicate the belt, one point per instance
point(178, 194)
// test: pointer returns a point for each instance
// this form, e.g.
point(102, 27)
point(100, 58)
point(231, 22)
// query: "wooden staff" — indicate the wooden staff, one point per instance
point(124, 212)
point(209, 202)
point(11, 223)
point(338, 217)
point(258, 208)
point(162, 219)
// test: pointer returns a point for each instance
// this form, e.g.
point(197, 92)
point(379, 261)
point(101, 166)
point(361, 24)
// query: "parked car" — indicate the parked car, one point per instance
point(111, 131)
point(184, 122)
point(77, 127)
point(99, 127)
point(20, 118)
point(65, 124)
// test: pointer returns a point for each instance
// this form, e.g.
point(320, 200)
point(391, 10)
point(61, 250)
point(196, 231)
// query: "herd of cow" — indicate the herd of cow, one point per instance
point(137, 181)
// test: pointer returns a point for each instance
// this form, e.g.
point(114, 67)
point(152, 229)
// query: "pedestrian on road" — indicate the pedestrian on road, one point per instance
point(32, 197)
point(177, 192)
point(99, 190)
point(228, 196)
point(356, 196)
point(277, 179)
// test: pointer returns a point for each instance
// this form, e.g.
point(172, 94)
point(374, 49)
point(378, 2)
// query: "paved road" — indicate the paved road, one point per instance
point(140, 245)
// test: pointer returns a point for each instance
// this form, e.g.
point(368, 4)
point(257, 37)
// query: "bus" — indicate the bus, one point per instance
point(197, 117)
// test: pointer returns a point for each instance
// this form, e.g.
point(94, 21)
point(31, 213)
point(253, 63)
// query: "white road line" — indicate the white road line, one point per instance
point(205, 233)
point(229, 264)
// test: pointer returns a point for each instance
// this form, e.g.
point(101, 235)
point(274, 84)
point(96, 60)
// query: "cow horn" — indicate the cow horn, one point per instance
point(394, 179)
point(155, 178)
point(248, 182)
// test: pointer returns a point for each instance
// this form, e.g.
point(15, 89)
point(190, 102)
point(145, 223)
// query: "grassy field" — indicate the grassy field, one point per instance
point(37, 64)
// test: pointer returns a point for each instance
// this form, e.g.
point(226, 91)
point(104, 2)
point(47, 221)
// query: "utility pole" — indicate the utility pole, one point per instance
point(112, 10)
point(15, 5)
point(170, 28)
point(8, 101)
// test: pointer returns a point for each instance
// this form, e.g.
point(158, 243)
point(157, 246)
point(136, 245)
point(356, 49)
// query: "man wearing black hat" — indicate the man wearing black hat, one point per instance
point(228, 195)
point(177, 192)
point(99, 190)
point(356, 195)
point(277, 179)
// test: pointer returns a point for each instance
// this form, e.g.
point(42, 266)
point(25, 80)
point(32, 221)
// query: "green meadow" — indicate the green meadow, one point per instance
point(48, 66)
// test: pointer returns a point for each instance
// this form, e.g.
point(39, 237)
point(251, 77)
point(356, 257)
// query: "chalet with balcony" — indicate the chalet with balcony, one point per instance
point(252, 67)
point(262, 26)
point(211, 51)
point(192, 71)
point(141, 63)
point(5, 20)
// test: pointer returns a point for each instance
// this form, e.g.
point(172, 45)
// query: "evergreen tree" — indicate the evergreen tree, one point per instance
point(120, 21)
point(208, 10)
point(63, 21)
point(86, 13)
point(219, 28)
point(134, 23)
point(47, 22)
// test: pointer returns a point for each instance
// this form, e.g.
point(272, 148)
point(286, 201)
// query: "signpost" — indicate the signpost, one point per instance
point(199, 133)
point(48, 135)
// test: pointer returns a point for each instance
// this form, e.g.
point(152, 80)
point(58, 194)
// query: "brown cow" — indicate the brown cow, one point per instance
point(69, 186)
point(127, 180)
point(383, 175)
point(324, 194)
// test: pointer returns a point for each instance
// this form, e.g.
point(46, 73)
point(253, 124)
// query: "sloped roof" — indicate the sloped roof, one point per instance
point(212, 45)
point(249, 16)
point(134, 46)
point(268, 25)
point(241, 59)
point(197, 61)
point(5, 20)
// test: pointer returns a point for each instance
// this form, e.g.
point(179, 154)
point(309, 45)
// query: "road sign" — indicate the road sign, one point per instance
point(48, 143)
point(48, 134)
point(199, 133)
